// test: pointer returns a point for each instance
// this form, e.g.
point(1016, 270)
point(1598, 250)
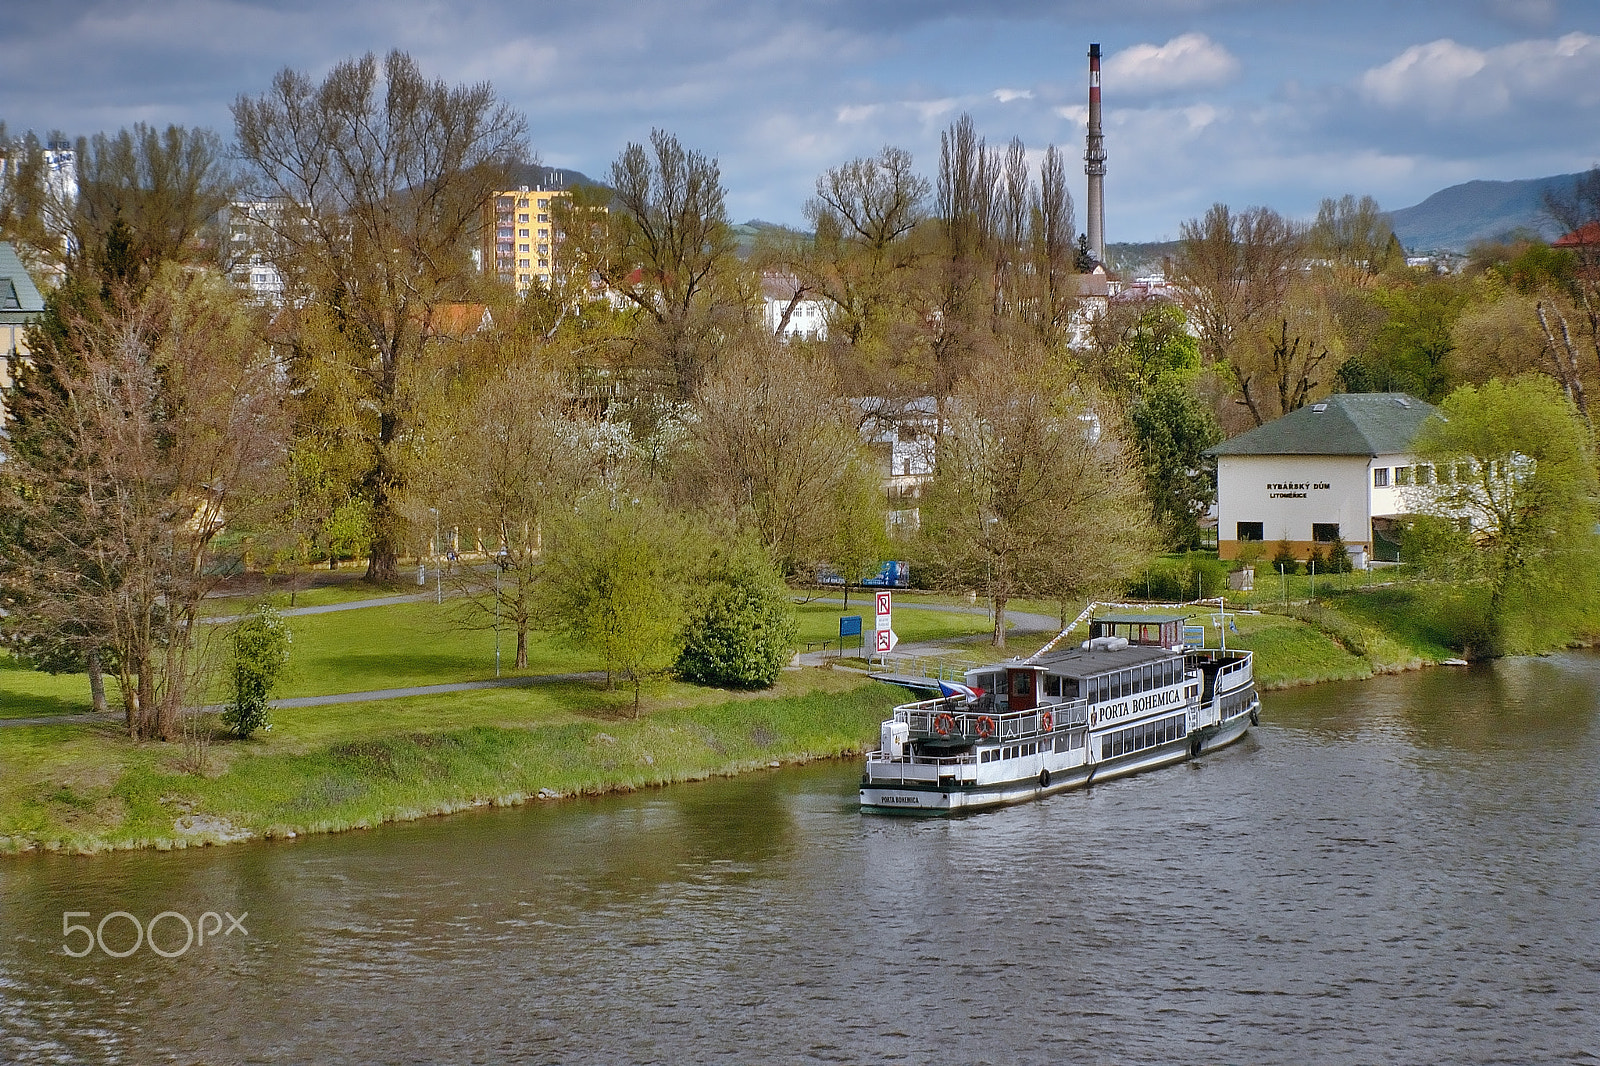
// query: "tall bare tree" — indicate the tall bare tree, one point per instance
point(776, 447)
point(668, 248)
point(133, 439)
point(374, 183)
point(1569, 315)
point(1033, 491)
point(518, 452)
point(144, 196)
point(865, 212)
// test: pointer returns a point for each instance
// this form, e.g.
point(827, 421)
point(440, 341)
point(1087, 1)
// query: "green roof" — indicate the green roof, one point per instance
point(1352, 423)
point(19, 296)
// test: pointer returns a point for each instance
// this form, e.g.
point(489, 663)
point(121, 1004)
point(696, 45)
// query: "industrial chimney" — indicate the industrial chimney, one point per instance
point(1094, 163)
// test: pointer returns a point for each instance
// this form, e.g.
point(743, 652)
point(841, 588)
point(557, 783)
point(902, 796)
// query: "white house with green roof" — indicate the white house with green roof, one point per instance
point(1337, 468)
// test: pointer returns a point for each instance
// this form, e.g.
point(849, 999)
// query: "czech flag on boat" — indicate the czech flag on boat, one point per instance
point(950, 688)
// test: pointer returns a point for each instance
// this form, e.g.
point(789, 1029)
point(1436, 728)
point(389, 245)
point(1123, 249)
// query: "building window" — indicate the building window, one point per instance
point(1402, 475)
point(523, 248)
point(543, 202)
point(544, 264)
point(1464, 472)
point(1252, 531)
point(1324, 532)
point(522, 263)
point(544, 218)
point(1380, 478)
point(522, 201)
point(1424, 475)
point(522, 233)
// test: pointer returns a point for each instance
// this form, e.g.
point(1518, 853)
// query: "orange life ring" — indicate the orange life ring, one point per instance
point(944, 723)
point(1047, 722)
point(985, 726)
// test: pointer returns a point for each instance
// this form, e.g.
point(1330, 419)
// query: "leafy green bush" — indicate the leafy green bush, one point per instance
point(259, 644)
point(741, 632)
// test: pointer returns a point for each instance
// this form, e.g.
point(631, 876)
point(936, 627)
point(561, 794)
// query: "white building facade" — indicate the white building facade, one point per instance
point(1338, 469)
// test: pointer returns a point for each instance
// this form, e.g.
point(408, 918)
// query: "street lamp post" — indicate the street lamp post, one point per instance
point(497, 568)
point(438, 573)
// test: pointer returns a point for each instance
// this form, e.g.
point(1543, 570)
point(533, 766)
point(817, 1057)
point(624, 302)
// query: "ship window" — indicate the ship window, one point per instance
point(1052, 685)
point(1020, 684)
point(1147, 678)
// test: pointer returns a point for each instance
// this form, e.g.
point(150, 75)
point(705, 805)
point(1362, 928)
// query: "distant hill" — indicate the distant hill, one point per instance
point(535, 176)
point(745, 233)
point(1132, 259)
point(1454, 219)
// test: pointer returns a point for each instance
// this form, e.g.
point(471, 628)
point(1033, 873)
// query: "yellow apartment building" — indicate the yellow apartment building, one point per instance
point(521, 241)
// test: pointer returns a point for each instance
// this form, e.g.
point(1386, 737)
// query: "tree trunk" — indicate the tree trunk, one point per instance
point(522, 645)
point(147, 699)
point(1000, 601)
point(97, 682)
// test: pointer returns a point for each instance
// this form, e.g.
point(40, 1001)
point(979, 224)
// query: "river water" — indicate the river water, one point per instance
point(1404, 870)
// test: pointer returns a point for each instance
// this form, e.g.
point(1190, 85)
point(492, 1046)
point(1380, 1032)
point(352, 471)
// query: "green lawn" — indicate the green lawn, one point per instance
point(27, 693)
point(1289, 652)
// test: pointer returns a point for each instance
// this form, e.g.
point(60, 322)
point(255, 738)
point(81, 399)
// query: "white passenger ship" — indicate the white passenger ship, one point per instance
point(1131, 698)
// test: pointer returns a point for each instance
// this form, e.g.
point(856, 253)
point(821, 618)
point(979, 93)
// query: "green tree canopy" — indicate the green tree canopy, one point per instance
point(1513, 459)
point(1172, 428)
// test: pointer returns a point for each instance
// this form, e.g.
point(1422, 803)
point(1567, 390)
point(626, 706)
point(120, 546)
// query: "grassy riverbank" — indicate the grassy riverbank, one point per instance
point(84, 787)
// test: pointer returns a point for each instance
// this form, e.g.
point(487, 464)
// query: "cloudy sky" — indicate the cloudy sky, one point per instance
point(1278, 102)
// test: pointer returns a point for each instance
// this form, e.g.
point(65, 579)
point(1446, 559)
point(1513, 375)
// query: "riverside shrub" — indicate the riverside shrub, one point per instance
point(259, 645)
point(742, 631)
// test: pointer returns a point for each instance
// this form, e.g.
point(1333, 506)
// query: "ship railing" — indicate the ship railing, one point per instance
point(1236, 674)
point(955, 717)
point(1236, 667)
point(932, 667)
point(921, 760)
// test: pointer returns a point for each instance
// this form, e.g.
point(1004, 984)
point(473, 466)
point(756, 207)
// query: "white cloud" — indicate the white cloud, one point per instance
point(1190, 61)
point(1005, 96)
point(1446, 80)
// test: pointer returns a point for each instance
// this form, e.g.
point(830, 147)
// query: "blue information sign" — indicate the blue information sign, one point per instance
point(849, 626)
